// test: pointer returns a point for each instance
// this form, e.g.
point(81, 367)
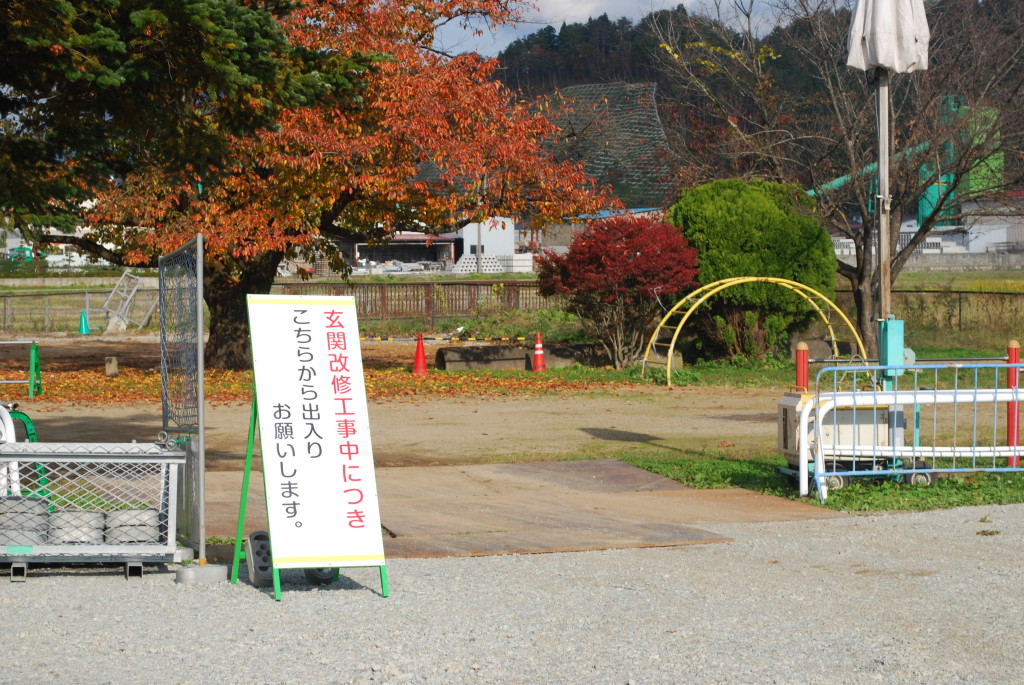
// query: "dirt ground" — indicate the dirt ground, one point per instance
point(430, 431)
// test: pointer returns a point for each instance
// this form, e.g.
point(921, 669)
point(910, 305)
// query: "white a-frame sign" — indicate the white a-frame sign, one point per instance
point(314, 434)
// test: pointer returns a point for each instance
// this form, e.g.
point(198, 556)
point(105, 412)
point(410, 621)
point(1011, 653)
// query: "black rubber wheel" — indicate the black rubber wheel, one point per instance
point(257, 559)
point(320, 576)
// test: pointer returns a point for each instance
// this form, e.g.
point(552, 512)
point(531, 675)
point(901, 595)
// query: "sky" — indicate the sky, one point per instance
point(552, 13)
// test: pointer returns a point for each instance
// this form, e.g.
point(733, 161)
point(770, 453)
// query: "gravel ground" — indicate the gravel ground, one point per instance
point(908, 598)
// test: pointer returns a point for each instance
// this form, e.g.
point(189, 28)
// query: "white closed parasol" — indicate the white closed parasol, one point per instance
point(891, 34)
point(888, 36)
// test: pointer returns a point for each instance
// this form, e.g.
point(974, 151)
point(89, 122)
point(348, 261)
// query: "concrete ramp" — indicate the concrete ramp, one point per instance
point(439, 511)
point(557, 507)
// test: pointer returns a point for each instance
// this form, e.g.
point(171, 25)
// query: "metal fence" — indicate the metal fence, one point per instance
point(119, 501)
point(958, 310)
point(903, 422)
point(952, 310)
point(56, 312)
point(181, 366)
point(432, 302)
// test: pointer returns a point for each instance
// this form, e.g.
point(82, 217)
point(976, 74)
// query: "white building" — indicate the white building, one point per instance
point(494, 236)
point(490, 247)
point(995, 225)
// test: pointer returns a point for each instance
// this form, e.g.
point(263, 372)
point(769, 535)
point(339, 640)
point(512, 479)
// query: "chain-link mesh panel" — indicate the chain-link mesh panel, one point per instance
point(54, 508)
point(181, 362)
point(179, 338)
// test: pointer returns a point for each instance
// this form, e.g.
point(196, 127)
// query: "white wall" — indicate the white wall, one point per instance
point(497, 236)
point(991, 223)
point(985, 237)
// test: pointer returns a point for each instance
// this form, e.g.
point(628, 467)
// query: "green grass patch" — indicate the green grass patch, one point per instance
point(41, 269)
point(218, 540)
point(953, 491)
point(927, 352)
point(554, 325)
point(986, 339)
point(759, 473)
point(737, 372)
point(400, 328)
point(710, 469)
point(99, 291)
point(1012, 281)
point(588, 374)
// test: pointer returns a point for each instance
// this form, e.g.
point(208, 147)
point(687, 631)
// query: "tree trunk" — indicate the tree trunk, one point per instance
point(225, 286)
point(864, 301)
point(865, 290)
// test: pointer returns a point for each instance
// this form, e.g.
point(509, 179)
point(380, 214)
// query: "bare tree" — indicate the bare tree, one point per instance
point(783, 105)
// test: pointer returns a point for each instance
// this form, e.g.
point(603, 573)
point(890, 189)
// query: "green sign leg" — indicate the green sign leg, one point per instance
point(243, 503)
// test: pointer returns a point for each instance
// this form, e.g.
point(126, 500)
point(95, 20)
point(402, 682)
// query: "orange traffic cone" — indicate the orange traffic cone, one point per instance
point(419, 366)
point(538, 356)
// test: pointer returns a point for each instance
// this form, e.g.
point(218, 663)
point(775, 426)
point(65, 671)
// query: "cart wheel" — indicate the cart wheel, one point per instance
point(836, 482)
point(923, 479)
point(320, 576)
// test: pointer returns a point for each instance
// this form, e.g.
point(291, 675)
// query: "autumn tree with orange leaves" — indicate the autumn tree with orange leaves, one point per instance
point(412, 137)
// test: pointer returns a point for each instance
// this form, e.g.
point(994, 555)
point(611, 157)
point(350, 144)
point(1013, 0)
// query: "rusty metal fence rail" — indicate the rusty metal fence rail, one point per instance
point(433, 302)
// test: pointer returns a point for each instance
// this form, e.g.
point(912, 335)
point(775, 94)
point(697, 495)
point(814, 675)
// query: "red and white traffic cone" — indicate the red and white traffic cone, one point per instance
point(419, 366)
point(538, 356)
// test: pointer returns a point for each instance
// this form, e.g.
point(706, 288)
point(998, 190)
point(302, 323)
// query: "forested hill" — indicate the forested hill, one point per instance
point(606, 51)
point(599, 51)
point(606, 69)
point(635, 114)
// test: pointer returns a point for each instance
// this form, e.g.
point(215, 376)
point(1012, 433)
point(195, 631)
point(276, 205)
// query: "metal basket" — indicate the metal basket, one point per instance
point(88, 501)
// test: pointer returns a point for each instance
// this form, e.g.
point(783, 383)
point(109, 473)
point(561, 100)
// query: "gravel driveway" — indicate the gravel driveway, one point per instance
point(907, 598)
